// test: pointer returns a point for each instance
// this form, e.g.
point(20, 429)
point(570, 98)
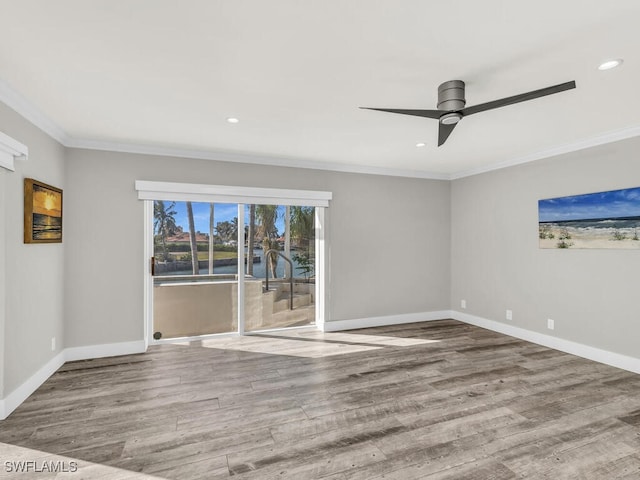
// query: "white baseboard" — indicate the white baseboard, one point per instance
point(613, 359)
point(107, 350)
point(632, 364)
point(369, 322)
point(20, 394)
point(617, 360)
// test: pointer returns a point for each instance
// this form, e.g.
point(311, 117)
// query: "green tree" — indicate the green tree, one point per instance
point(303, 232)
point(164, 223)
point(306, 264)
point(227, 230)
point(287, 241)
point(302, 225)
point(234, 229)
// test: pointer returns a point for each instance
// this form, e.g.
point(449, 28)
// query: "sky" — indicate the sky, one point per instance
point(611, 204)
point(222, 212)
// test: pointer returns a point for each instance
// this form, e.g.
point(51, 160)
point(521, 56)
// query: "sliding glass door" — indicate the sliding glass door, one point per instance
point(195, 269)
point(280, 268)
point(196, 264)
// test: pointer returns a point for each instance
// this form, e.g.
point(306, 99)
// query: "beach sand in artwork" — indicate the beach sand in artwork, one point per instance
point(590, 237)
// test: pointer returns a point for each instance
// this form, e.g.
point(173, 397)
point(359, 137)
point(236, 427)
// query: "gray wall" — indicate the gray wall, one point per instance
point(33, 287)
point(3, 304)
point(496, 263)
point(398, 245)
point(389, 237)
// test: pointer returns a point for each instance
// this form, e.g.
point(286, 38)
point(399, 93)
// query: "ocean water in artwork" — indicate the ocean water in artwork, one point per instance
point(46, 227)
point(596, 220)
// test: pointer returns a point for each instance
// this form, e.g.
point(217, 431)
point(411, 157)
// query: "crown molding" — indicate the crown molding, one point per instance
point(608, 137)
point(32, 113)
point(225, 156)
point(235, 157)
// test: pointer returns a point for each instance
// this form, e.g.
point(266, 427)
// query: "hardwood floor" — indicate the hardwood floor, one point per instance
point(437, 400)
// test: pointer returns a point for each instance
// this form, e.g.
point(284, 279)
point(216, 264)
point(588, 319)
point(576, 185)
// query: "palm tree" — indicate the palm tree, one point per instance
point(251, 234)
point(211, 239)
point(302, 225)
point(164, 222)
point(266, 215)
point(192, 237)
point(234, 228)
point(287, 240)
point(302, 232)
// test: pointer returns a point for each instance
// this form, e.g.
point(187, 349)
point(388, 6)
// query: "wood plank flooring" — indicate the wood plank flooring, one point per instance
point(436, 400)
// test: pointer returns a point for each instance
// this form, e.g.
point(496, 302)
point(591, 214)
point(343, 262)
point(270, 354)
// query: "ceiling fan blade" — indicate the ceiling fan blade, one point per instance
point(518, 98)
point(417, 113)
point(444, 131)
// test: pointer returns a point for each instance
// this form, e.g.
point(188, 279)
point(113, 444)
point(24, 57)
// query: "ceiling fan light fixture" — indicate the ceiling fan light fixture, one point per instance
point(450, 118)
point(452, 109)
point(232, 120)
point(609, 64)
point(421, 144)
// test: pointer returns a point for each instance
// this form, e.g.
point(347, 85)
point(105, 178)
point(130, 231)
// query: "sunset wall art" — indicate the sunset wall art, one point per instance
point(42, 212)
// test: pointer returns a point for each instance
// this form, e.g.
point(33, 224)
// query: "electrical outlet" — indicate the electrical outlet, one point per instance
point(550, 324)
point(463, 303)
point(509, 315)
point(53, 344)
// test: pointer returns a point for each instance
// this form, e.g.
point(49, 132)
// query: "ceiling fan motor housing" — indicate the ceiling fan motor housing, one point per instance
point(451, 96)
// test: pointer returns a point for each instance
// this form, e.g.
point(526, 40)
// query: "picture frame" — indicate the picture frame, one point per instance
point(42, 212)
point(600, 220)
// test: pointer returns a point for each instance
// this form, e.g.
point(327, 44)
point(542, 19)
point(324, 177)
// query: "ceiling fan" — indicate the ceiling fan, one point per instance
point(451, 105)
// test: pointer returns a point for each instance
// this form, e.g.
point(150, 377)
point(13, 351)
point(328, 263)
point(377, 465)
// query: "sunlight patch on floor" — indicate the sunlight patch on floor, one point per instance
point(286, 346)
point(356, 338)
point(308, 343)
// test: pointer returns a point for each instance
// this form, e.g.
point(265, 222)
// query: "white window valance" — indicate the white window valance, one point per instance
point(11, 149)
point(148, 190)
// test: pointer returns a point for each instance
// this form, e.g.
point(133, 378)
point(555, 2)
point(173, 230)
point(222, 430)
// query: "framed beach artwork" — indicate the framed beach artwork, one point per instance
point(595, 220)
point(42, 212)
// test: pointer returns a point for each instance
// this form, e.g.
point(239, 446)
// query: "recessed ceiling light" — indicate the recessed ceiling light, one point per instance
point(232, 120)
point(609, 64)
point(420, 144)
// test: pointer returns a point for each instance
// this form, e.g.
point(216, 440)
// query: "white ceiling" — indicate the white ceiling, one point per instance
point(165, 75)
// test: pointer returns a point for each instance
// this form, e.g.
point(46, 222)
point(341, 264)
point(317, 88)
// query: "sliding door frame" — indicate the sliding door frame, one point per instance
point(149, 191)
